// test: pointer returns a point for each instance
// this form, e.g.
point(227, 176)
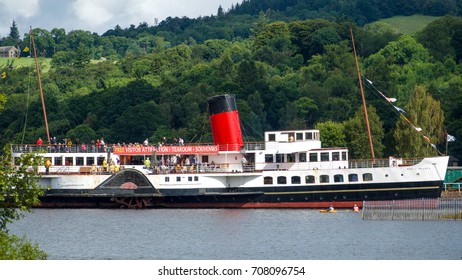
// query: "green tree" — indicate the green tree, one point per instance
point(14, 32)
point(305, 108)
point(376, 36)
point(440, 37)
point(356, 134)
point(13, 247)
point(272, 44)
point(424, 113)
point(332, 134)
point(18, 193)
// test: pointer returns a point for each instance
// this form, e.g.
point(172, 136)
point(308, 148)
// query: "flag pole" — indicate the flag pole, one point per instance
point(40, 86)
point(446, 143)
point(362, 95)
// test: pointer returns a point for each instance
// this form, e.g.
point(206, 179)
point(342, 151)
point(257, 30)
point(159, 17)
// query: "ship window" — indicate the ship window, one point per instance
point(309, 179)
point(302, 157)
point(271, 137)
point(324, 178)
point(290, 157)
point(338, 178)
point(325, 156)
point(167, 179)
point(268, 180)
point(69, 161)
point(308, 135)
point(344, 156)
point(205, 159)
point(298, 136)
point(79, 161)
point(282, 180)
point(196, 178)
point(190, 179)
point(178, 179)
point(99, 160)
point(336, 156)
point(353, 177)
point(58, 161)
point(313, 157)
point(279, 157)
point(268, 158)
point(367, 177)
point(90, 160)
point(296, 180)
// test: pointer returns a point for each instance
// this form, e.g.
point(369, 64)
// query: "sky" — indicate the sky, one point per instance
point(99, 15)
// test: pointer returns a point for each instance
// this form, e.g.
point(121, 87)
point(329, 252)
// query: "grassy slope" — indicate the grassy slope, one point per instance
point(409, 24)
point(26, 62)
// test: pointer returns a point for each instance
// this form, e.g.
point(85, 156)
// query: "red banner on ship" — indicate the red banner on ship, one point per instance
point(166, 150)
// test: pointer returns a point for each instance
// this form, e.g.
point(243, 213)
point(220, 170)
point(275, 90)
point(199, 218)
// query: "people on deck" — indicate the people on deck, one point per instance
point(47, 166)
point(39, 142)
point(244, 163)
point(147, 163)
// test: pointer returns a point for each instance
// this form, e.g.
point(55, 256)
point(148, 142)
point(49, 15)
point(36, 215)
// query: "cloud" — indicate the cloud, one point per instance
point(16, 10)
point(24, 8)
point(105, 14)
point(99, 15)
point(93, 13)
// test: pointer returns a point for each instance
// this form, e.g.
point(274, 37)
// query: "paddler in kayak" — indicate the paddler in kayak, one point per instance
point(355, 208)
point(330, 209)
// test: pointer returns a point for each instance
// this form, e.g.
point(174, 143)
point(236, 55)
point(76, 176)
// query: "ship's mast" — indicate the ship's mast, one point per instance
point(362, 95)
point(40, 85)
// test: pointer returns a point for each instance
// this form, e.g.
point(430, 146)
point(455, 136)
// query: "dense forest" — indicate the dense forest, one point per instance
point(290, 64)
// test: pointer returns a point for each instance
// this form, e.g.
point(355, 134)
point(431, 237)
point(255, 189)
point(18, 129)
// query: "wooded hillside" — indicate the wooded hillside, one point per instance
point(290, 66)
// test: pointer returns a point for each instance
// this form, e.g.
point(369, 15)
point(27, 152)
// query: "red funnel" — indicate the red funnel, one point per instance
point(224, 119)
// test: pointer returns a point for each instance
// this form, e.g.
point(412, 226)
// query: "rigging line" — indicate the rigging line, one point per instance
point(252, 129)
point(64, 104)
point(381, 98)
point(401, 115)
point(26, 113)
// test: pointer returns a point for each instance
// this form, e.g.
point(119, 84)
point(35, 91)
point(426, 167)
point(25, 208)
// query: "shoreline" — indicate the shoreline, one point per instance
point(451, 194)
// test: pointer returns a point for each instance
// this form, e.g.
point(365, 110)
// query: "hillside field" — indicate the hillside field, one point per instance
point(26, 62)
point(409, 24)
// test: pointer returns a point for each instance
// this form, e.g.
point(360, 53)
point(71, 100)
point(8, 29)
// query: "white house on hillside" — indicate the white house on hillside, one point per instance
point(9, 52)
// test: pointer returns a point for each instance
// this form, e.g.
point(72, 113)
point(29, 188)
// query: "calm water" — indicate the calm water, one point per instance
point(161, 234)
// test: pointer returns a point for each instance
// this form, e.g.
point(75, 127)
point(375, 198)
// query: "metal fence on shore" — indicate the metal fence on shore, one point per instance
point(414, 209)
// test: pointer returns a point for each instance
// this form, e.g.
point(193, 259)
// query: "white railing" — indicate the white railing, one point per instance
point(452, 186)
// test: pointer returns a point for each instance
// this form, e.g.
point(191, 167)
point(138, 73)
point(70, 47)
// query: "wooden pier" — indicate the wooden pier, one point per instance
point(415, 209)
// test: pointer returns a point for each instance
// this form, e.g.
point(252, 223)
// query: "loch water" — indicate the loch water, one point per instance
point(238, 234)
